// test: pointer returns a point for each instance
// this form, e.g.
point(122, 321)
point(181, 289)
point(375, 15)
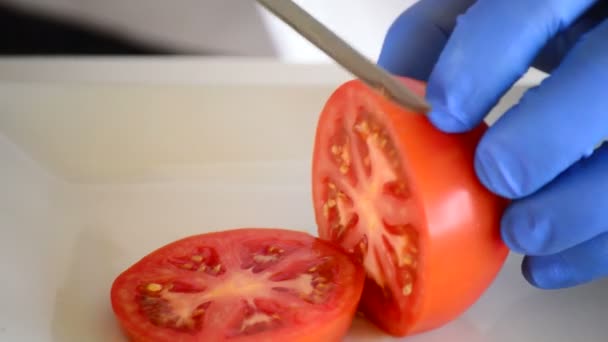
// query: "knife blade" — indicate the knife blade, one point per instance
point(345, 55)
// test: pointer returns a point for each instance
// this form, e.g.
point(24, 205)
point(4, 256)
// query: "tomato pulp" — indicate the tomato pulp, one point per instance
point(403, 198)
point(240, 285)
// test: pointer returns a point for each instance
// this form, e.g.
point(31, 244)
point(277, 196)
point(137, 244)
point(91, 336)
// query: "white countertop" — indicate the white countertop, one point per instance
point(104, 160)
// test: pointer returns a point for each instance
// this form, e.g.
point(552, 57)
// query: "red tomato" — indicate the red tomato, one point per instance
point(240, 285)
point(404, 199)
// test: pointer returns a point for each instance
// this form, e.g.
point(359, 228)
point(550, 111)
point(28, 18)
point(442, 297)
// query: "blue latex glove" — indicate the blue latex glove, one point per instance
point(541, 151)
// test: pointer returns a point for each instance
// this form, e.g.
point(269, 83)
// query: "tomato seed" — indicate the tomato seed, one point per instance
point(197, 258)
point(153, 287)
point(335, 149)
point(407, 289)
point(326, 210)
point(362, 127)
point(406, 260)
point(345, 155)
point(331, 203)
point(343, 169)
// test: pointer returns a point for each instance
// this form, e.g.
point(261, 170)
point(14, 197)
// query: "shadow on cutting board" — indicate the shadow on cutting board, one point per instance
point(82, 306)
point(460, 330)
point(574, 314)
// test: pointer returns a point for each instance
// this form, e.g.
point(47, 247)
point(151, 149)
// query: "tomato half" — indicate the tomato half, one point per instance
point(250, 284)
point(403, 198)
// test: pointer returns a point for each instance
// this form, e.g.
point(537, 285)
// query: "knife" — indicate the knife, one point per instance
point(343, 54)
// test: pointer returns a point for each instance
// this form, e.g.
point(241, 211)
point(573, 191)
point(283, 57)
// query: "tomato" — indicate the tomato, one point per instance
point(249, 284)
point(403, 198)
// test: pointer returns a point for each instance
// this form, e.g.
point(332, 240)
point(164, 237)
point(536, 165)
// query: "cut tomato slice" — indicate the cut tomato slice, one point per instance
point(403, 198)
point(240, 285)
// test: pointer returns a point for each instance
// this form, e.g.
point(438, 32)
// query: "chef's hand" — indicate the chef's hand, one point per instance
point(540, 152)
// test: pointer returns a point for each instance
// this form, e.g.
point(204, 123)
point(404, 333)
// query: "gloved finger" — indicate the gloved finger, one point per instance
point(569, 211)
point(492, 46)
point(581, 264)
point(415, 39)
point(556, 49)
point(553, 126)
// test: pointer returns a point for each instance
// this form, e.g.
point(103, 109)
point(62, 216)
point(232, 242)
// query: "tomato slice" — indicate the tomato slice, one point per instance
point(250, 284)
point(403, 198)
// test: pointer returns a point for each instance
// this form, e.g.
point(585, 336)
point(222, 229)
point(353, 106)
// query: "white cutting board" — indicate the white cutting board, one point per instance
point(103, 161)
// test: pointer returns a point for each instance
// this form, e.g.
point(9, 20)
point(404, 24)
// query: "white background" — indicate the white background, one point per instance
point(230, 26)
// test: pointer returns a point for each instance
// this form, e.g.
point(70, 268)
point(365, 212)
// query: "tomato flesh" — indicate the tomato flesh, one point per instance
point(383, 236)
point(403, 198)
point(240, 285)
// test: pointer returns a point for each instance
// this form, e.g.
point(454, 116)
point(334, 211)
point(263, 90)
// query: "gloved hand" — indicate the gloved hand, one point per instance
point(541, 153)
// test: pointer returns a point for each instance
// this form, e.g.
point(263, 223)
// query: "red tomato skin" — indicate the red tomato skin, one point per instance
point(333, 326)
point(461, 251)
